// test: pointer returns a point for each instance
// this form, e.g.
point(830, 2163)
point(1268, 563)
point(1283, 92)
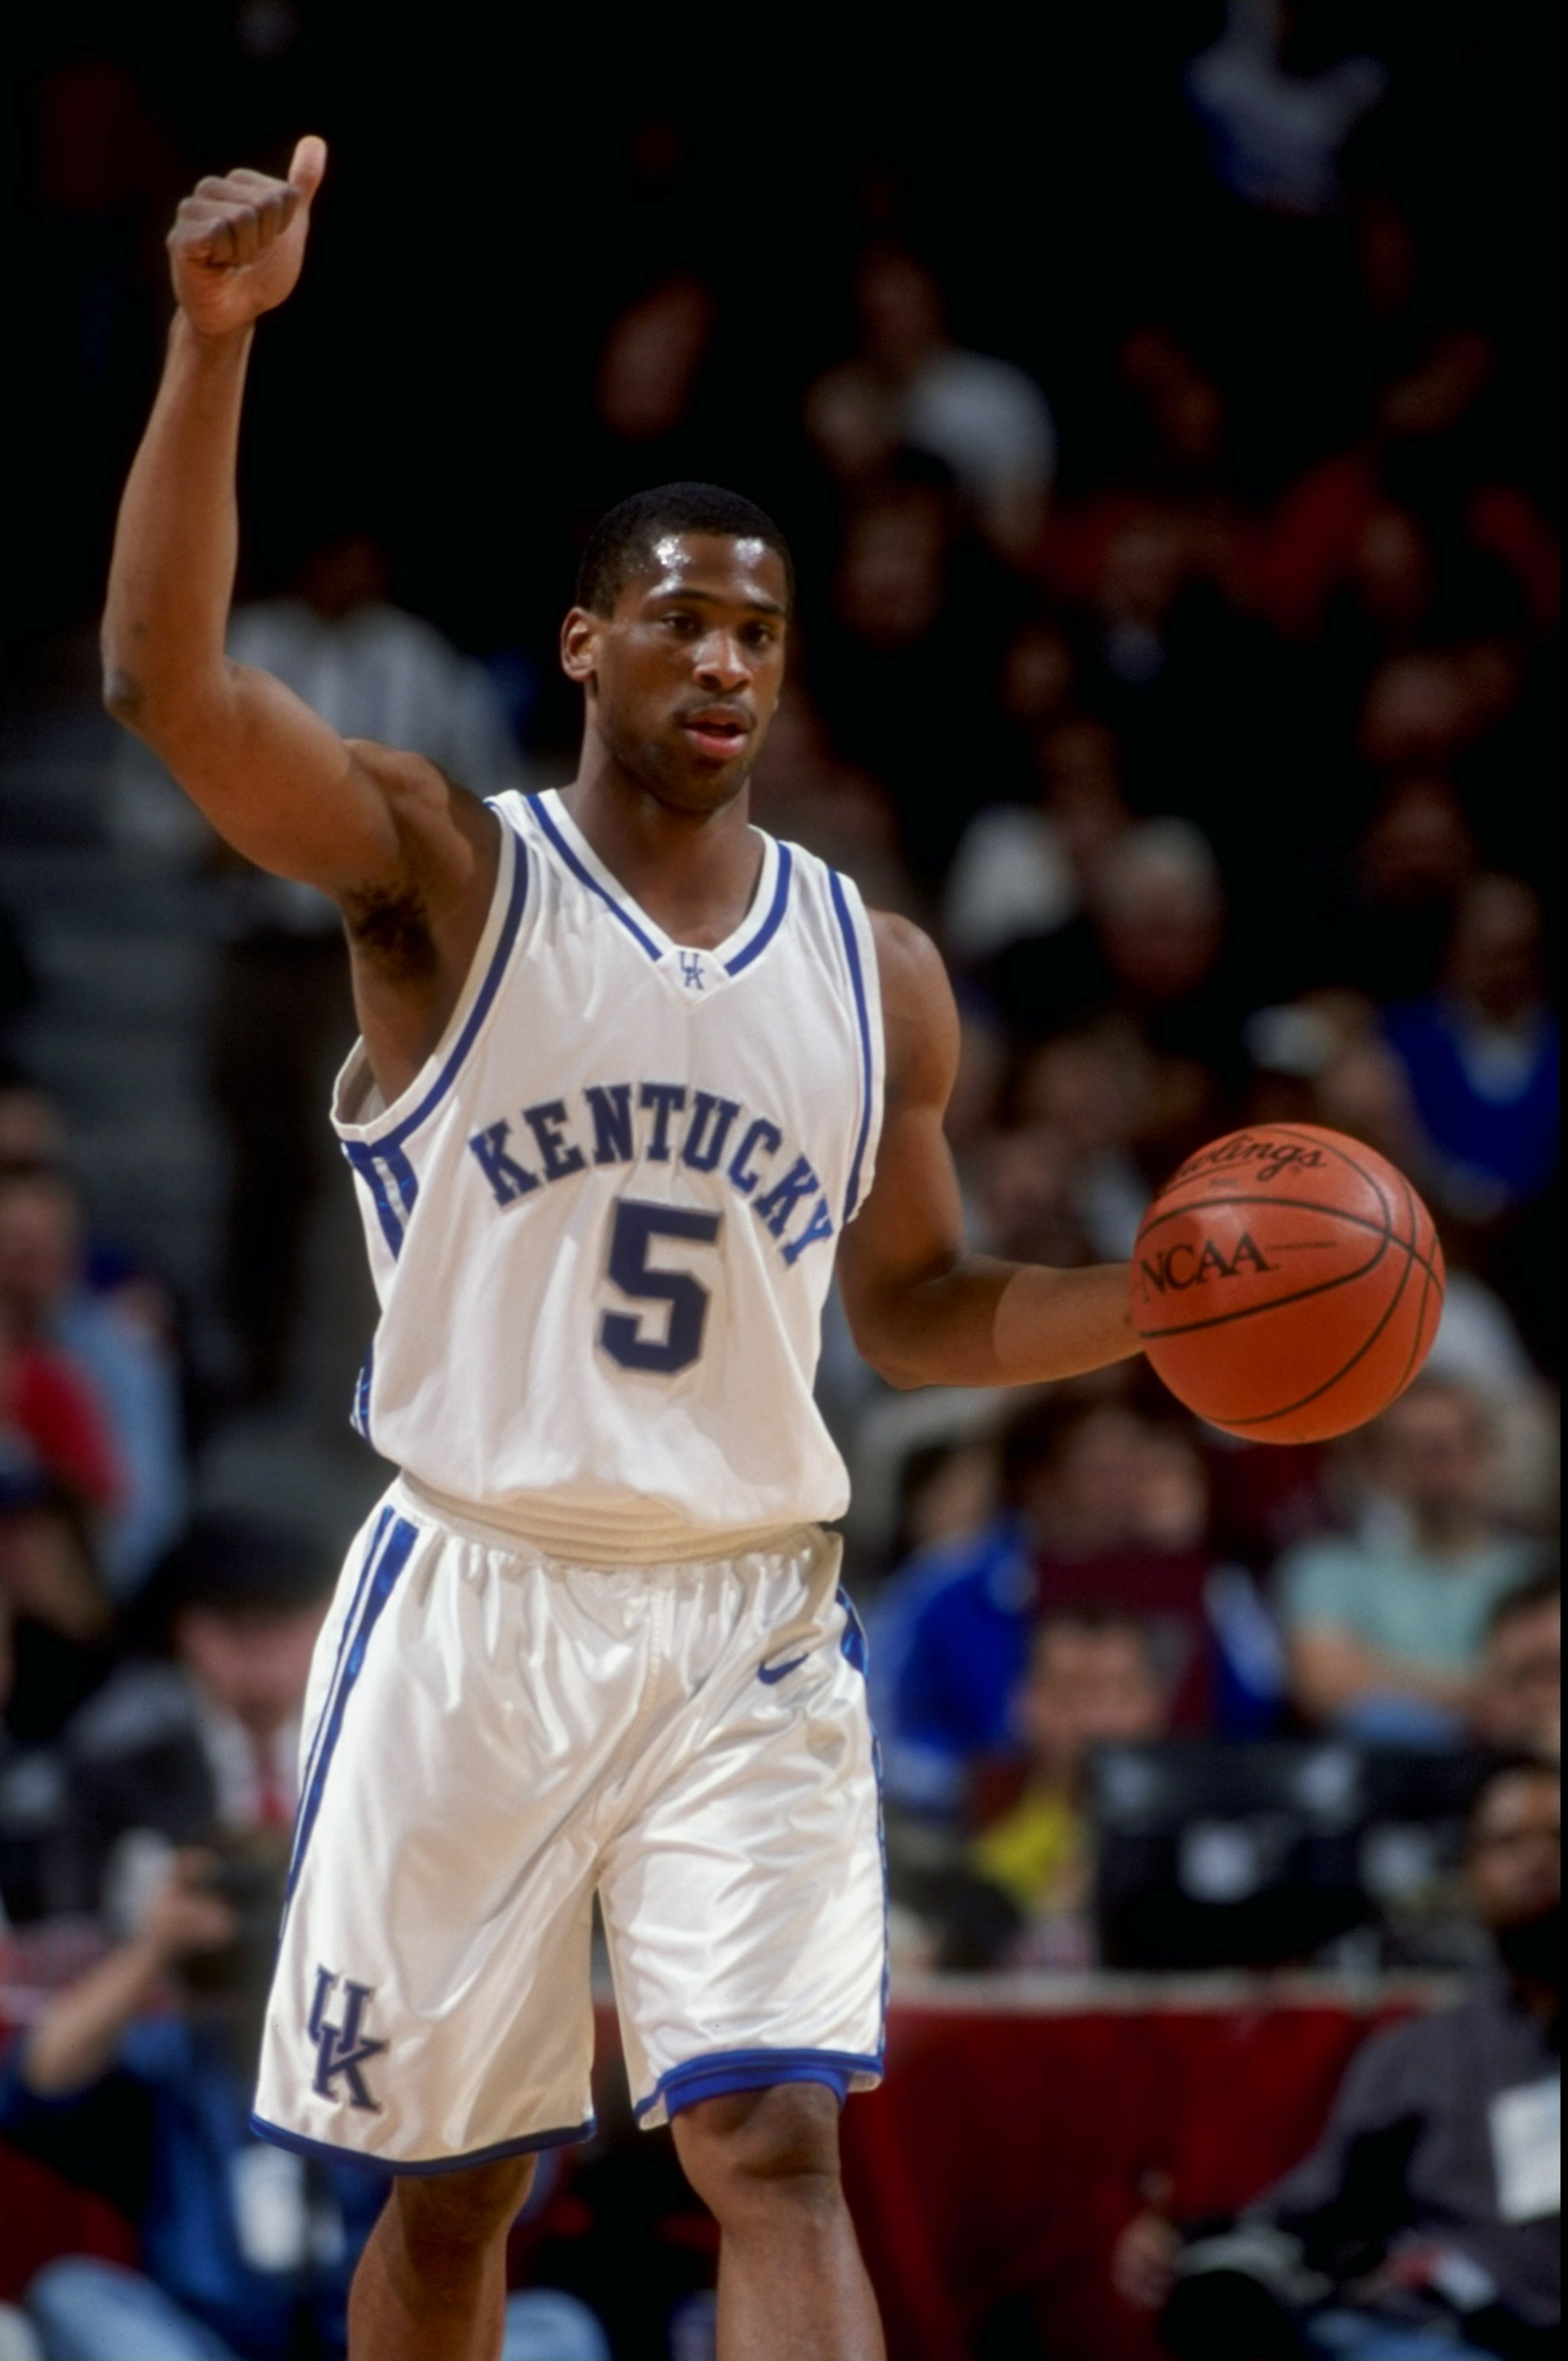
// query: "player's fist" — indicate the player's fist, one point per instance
point(236, 244)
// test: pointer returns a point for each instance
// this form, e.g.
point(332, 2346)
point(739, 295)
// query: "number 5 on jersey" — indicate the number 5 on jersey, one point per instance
point(634, 1230)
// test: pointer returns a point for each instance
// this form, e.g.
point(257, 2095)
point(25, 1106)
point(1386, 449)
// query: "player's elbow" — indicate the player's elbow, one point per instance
point(886, 1348)
point(169, 713)
point(123, 695)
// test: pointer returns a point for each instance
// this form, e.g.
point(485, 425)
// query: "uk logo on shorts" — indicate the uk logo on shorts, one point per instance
point(343, 2050)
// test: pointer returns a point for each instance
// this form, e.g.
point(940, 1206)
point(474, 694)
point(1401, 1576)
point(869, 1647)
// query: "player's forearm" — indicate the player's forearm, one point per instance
point(176, 542)
point(75, 2039)
point(985, 1323)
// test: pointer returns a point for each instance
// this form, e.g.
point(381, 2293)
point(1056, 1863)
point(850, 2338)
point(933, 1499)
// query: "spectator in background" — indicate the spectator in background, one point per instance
point(60, 1620)
point(1100, 1511)
point(209, 1742)
point(908, 383)
point(118, 1342)
point(1386, 1627)
point(1481, 1055)
point(1091, 1681)
point(1090, 1089)
point(375, 671)
point(1519, 1704)
point(905, 663)
point(246, 2248)
point(651, 360)
point(1424, 2225)
point(1149, 947)
point(1024, 871)
point(1393, 913)
point(32, 1134)
point(1119, 1513)
point(1275, 137)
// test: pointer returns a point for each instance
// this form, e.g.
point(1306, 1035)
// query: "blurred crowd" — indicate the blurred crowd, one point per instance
point(1226, 806)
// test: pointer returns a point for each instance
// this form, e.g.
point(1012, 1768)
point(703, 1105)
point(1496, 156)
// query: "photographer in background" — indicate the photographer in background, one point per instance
point(247, 2250)
point(207, 1735)
point(1424, 2225)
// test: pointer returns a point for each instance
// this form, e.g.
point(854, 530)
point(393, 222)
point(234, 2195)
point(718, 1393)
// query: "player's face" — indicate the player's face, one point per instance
point(683, 677)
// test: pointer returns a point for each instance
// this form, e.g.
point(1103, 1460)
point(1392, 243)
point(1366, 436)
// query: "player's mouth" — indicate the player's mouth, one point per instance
point(716, 731)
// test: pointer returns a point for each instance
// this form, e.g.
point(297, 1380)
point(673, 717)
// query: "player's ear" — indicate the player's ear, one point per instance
point(580, 635)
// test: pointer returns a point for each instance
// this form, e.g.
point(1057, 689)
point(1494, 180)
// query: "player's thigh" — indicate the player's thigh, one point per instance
point(430, 1998)
point(745, 1902)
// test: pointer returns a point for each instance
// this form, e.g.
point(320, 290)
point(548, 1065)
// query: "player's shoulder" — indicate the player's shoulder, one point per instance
point(420, 795)
point(920, 1019)
point(911, 970)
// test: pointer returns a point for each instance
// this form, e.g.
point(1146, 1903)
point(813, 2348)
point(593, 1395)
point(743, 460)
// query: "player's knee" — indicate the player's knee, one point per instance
point(453, 2213)
point(759, 2150)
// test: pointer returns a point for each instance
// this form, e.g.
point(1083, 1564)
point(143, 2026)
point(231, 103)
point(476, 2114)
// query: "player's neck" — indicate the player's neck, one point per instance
point(694, 873)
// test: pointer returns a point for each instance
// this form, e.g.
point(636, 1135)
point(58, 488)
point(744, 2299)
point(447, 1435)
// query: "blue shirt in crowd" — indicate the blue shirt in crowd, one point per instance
point(193, 2229)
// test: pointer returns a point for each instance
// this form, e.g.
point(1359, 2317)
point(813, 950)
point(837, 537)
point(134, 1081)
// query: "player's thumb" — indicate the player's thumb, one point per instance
point(308, 166)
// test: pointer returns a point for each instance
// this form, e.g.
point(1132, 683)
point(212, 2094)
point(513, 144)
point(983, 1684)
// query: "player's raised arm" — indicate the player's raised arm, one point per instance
point(923, 1311)
point(273, 778)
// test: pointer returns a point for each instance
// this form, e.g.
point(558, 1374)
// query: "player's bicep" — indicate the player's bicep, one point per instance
point(280, 786)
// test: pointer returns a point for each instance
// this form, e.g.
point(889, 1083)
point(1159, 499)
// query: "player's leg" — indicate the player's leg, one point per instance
point(431, 2284)
point(790, 2280)
point(743, 1902)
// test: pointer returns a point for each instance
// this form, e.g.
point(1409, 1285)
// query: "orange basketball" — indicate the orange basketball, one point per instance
point(1287, 1284)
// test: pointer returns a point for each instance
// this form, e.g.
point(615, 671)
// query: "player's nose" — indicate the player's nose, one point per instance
point(722, 663)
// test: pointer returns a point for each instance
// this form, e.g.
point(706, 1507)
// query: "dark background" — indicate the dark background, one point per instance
point(501, 183)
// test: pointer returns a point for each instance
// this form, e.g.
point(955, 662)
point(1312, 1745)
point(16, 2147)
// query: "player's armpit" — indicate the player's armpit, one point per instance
point(922, 1309)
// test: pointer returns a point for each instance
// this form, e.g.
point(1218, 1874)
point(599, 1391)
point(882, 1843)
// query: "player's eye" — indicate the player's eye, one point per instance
point(682, 623)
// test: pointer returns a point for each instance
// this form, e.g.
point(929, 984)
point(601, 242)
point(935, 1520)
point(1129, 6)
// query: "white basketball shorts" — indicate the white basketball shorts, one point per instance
point(491, 1738)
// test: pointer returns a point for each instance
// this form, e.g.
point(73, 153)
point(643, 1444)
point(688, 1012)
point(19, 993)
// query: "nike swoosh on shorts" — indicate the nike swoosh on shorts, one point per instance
point(771, 1673)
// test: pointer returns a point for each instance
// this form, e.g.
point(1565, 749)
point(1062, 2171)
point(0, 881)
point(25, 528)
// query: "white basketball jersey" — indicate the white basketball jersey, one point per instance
point(602, 1220)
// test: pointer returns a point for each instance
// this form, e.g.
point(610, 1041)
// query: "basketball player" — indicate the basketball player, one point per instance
point(633, 1082)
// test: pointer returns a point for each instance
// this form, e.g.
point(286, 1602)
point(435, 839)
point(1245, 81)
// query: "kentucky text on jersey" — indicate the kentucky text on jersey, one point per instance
point(661, 1123)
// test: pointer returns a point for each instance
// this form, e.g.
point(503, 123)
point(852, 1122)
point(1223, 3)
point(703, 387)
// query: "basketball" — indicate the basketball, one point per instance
point(1287, 1284)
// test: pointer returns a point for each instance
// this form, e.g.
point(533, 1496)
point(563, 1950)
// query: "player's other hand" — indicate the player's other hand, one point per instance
point(236, 244)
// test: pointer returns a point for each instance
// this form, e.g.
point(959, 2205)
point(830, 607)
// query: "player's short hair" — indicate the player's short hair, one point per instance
point(622, 544)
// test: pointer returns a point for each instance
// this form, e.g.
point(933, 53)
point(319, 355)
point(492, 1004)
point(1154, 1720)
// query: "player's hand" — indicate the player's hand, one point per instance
point(236, 244)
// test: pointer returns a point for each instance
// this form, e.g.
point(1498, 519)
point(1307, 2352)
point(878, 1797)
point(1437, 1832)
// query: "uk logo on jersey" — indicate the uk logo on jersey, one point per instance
point(343, 2050)
point(694, 974)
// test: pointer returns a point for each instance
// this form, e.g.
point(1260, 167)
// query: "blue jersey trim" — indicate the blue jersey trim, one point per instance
point(331, 2153)
point(725, 2070)
point(853, 951)
point(586, 877)
point(363, 1160)
point(367, 1562)
point(376, 1592)
point(771, 923)
point(855, 1649)
point(391, 1145)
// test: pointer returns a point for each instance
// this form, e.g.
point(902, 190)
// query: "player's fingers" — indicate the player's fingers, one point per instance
point(233, 187)
point(245, 226)
point(205, 231)
point(308, 166)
